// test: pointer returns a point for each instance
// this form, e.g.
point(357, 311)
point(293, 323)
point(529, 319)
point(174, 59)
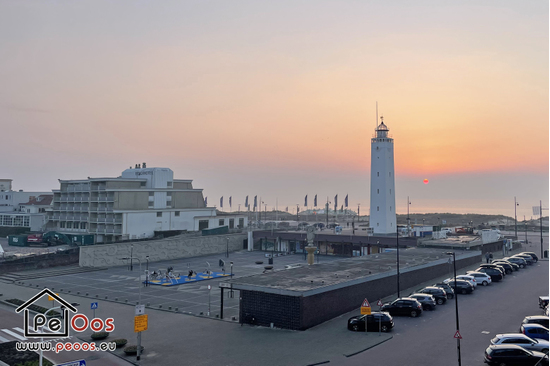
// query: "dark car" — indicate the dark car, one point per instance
point(403, 306)
point(427, 300)
point(461, 286)
point(374, 322)
point(532, 254)
point(512, 354)
point(534, 331)
point(519, 261)
point(515, 267)
point(536, 319)
point(507, 266)
point(448, 289)
point(496, 275)
point(495, 266)
point(526, 257)
point(437, 292)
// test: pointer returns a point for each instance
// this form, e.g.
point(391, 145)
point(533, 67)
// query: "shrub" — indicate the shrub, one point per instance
point(120, 342)
point(99, 335)
point(132, 350)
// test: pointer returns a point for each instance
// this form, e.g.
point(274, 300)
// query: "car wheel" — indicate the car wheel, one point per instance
point(485, 283)
point(464, 291)
point(522, 265)
point(414, 313)
point(508, 271)
point(384, 328)
point(355, 327)
point(451, 296)
point(439, 301)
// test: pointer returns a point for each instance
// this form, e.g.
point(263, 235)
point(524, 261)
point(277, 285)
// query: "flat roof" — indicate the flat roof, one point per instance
point(310, 280)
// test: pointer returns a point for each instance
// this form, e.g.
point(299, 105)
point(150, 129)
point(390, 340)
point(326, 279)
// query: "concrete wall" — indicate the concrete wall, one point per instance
point(131, 200)
point(181, 246)
point(41, 261)
point(189, 199)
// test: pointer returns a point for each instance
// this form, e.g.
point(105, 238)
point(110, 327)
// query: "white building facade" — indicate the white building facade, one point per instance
point(383, 219)
point(135, 205)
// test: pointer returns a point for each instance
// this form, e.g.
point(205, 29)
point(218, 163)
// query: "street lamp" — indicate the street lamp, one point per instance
point(138, 355)
point(328, 203)
point(147, 271)
point(227, 247)
point(516, 204)
point(408, 217)
point(397, 244)
point(231, 263)
point(456, 308)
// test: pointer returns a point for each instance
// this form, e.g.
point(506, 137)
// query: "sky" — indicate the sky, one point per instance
point(278, 99)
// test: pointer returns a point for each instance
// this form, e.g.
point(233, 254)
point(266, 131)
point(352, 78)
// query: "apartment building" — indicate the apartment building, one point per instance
point(133, 206)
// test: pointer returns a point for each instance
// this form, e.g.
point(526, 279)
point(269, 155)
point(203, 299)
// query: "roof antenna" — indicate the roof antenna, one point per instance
point(376, 115)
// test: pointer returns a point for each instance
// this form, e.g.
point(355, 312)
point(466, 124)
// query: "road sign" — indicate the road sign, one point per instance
point(140, 323)
point(210, 287)
point(225, 285)
point(74, 363)
point(51, 298)
point(365, 304)
point(94, 305)
point(140, 309)
point(457, 335)
point(379, 303)
point(365, 307)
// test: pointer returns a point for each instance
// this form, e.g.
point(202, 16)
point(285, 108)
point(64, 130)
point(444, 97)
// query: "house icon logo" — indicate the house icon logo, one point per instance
point(57, 327)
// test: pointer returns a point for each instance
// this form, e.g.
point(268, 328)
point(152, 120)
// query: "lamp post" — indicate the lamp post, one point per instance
point(138, 355)
point(456, 307)
point(408, 217)
point(328, 203)
point(147, 272)
point(516, 204)
point(231, 264)
point(227, 247)
point(397, 241)
point(297, 211)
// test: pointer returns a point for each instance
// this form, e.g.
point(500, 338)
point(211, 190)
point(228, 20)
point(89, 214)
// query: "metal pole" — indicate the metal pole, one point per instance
point(456, 308)
point(209, 302)
point(231, 263)
point(131, 255)
point(227, 247)
point(147, 272)
point(397, 237)
point(221, 305)
point(541, 241)
point(515, 218)
point(408, 217)
point(525, 229)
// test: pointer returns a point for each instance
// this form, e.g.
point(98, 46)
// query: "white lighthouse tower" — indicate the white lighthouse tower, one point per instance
point(382, 182)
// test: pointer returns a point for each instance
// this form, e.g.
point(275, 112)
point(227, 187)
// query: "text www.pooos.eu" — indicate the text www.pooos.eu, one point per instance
point(59, 346)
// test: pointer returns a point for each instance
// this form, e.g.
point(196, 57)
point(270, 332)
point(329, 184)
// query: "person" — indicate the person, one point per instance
point(490, 257)
point(487, 257)
point(190, 274)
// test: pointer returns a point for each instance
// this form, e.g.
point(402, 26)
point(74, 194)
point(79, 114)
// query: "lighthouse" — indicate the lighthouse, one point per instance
point(382, 182)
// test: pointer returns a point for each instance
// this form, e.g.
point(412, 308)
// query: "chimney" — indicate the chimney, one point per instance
point(143, 165)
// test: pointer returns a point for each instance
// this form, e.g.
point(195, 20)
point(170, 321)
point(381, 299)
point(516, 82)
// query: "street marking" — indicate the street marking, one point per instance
point(2, 339)
point(485, 332)
point(13, 334)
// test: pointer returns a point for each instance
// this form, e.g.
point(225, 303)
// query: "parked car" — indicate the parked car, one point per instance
point(514, 266)
point(543, 301)
point(536, 319)
point(521, 340)
point(534, 331)
point(482, 278)
point(372, 322)
point(470, 279)
point(527, 258)
point(507, 266)
point(512, 354)
point(495, 274)
point(532, 254)
point(448, 289)
point(495, 266)
point(427, 300)
point(519, 261)
point(437, 292)
point(461, 286)
point(403, 306)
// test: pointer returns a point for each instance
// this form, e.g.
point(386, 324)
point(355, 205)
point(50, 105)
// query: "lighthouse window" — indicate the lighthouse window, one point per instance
point(390, 208)
point(390, 190)
point(377, 208)
point(377, 174)
point(377, 224)
point(378, 191)
point(390, 174)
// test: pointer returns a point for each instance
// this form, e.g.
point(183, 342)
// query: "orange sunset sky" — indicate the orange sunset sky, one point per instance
point(278, 99)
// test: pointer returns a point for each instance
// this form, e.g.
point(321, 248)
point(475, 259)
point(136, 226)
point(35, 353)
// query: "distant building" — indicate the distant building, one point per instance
point(135, 205)
point(383, 219)
point(20, 209)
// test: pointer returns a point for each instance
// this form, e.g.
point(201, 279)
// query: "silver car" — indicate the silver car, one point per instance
point(521, 340)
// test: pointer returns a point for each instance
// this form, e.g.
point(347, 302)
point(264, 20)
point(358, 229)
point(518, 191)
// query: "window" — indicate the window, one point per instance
point(159, 214)
point(168, 204)
point(241, 223)
point(377, 208)
point(231, 223)
point(69, 225)
point(203, 224)
point(168, 184)
point(377, 174)
point(142, 184)
point(377, 224)
point(378, 191)
point(151, 195)
point(83, 225)
point(177, 213)
point(169, 195)
point(221, 222)
point(62, 224)
point(390, 174)
point(390, 208)
point(390, 190)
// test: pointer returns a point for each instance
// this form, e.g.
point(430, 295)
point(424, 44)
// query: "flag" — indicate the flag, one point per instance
point(255, 202)
point(286, 208)
point(221, 202)
point(206, 201)
point(342, 209)
point(346, 201)
point(335, 201)
point(246, 201)
point(305, 204)
point(315, 201)
point(229, 201)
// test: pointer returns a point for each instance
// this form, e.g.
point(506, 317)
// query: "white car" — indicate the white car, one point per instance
point(481, 278)
point(470, 279)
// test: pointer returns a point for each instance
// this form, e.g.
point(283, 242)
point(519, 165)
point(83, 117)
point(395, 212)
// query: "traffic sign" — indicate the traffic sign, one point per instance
point(365, 304)
point(140, 309)
point(140, 323)
point(73, 363)
point(94, 305)
point(210, 287)
point(365, 307)
point(379, 303)
point(457, 335)
point(51, 298)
